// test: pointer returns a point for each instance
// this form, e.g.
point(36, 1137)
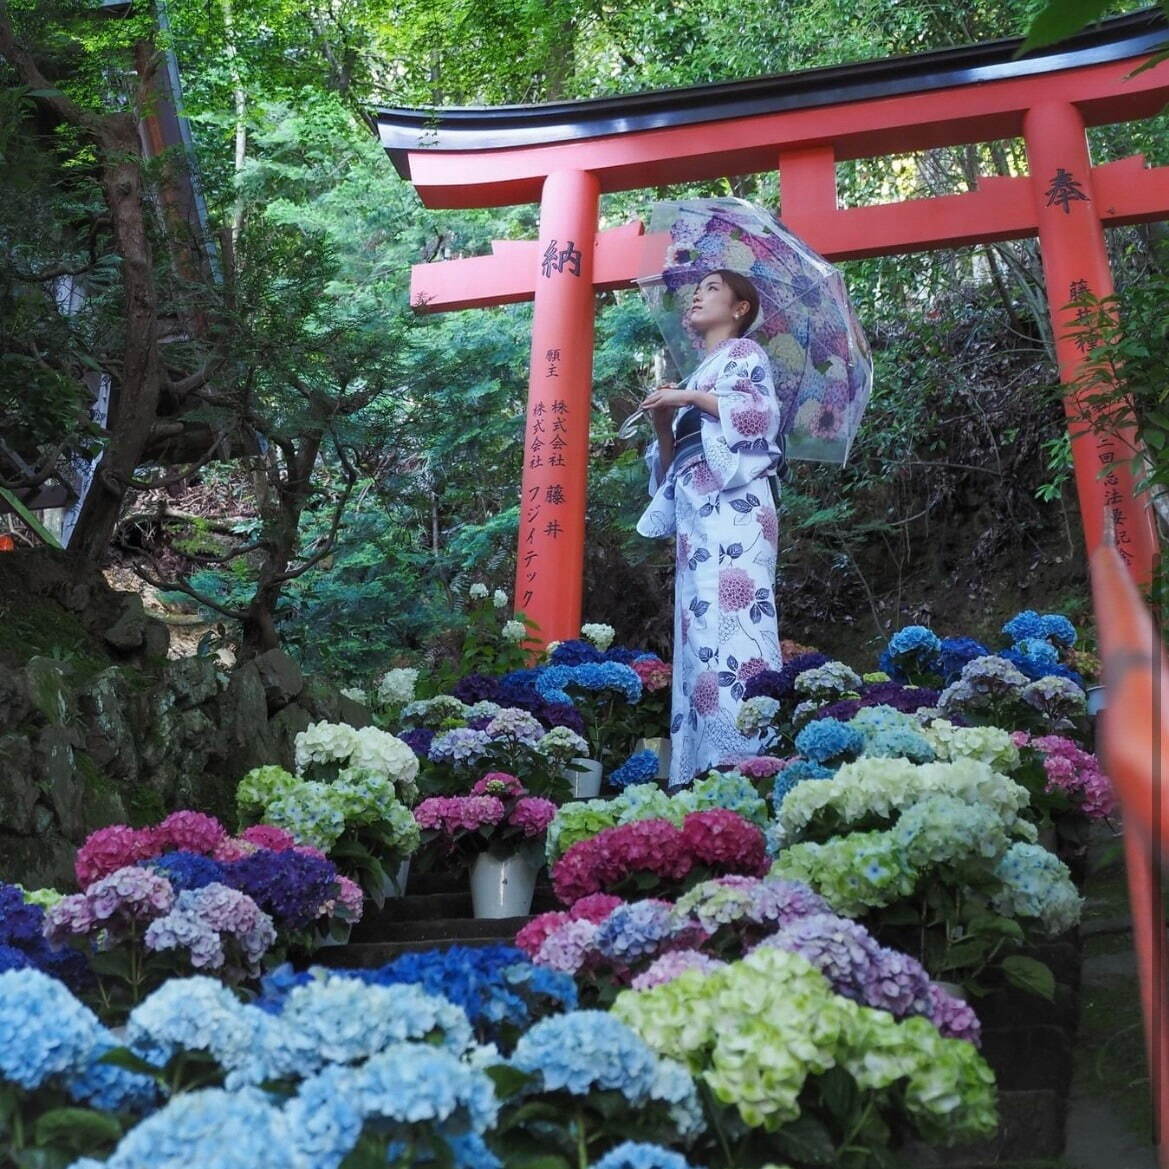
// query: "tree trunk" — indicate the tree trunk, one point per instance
point(136, 405)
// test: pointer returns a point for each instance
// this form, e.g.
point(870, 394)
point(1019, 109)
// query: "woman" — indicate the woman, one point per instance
point(718, 440)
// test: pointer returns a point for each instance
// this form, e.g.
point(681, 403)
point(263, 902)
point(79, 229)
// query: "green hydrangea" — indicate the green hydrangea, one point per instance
point(853, 873)
point(754, 1031)
point(577, 821)
point(989, 745)
point(260, 786)
point(1036, 883)
point(728, 790)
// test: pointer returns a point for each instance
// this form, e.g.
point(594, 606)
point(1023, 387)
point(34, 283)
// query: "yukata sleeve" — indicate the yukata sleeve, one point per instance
point(658, 518)
point(742, 444)
point(653, 466)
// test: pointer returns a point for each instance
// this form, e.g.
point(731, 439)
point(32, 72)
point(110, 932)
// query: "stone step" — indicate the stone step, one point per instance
point(406, 936)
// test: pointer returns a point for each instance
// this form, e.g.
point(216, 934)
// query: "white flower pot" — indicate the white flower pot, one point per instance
point(334, 933)
point(1097, 700)
point(661, 748)
point(395, 882)
point(502, 886)
point(586, 783)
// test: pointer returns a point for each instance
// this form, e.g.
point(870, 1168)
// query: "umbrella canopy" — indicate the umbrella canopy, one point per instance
point(806, 322)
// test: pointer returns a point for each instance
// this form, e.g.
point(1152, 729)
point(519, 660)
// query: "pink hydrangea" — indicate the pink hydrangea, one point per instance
point(127, 896)
point(769, 525)
point(452, 814)
point(670, 965)
point(736, 590)
point(750, 422)
point(234, 848)
point(722, 839)
point(589, 866)
point(1076, 773)
point(531, 937)
point(269, 836)
point(349, 903)
point(112, 848)
point(190, 831)
point(653, 672)
point(498, 783)
point(761, 766)
point(310, 850)
point(595, 907)
point(532, 815)
point(72, 916)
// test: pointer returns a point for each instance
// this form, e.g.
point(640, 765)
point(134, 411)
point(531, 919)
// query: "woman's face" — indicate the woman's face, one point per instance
point(715, 305)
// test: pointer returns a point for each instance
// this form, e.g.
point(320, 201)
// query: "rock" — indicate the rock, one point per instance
point(353, 713)
point(15, 700)
point(18, 790)
point(109, 737)
point(55, 769)
point(282, 732)
point(48, 688)
point(129, 629)
point(193, 681)
point(281, 678)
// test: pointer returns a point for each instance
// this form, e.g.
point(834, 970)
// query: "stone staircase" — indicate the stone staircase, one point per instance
point(434, 914)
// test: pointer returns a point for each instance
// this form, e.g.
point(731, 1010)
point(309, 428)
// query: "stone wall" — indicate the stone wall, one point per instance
point(97, 726)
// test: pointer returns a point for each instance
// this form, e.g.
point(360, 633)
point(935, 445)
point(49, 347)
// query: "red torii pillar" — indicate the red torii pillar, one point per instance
point(1075, 260)
point(556, 435)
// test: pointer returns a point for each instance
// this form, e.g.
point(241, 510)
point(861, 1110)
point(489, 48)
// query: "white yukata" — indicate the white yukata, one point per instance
point(718, 501)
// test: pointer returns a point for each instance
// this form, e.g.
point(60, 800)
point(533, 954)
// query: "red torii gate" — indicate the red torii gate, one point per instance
point(565, 155)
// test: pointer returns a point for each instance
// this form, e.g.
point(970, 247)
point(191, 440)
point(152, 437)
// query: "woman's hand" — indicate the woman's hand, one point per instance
point(665, 399)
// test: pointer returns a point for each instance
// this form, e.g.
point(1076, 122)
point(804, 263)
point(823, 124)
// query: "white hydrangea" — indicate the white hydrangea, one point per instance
point(561, 744)
point(484, 708)
point(550, 649)
point(829, 679)
point(384, 754)
point(599, 634)
point(397, 686)
point(324, 742)
point(499, 599)
point(756, 714)
point(355, 694)
point(433, 711)
point(513, 631)
point(477, 591)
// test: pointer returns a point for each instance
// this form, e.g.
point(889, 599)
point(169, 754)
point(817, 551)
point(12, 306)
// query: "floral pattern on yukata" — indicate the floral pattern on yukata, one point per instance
point(719, 507)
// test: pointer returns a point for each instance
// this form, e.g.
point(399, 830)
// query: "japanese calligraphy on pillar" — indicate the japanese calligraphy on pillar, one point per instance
point(1113, 498)
point(560, 259)
point(544, 494)
point(1083, 339)
point(1064, 190)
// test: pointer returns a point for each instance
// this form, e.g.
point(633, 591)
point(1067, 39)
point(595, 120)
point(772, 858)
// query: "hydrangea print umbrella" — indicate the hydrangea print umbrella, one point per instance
point(806, 322)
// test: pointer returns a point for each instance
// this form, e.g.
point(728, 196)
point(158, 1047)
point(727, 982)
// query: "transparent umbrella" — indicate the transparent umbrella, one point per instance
point(806, 323)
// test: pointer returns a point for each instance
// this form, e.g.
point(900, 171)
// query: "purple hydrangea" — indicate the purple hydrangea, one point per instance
point(418, 740)
point(780, 684)
point(843, 951)
point(953, 1017)
point(476, 688)
point(289, 886)
point(899, 984)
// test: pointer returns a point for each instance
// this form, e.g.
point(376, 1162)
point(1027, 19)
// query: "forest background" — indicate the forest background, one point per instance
point(300, 458)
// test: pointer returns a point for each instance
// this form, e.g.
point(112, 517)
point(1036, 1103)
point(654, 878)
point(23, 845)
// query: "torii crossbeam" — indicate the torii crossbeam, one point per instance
point(565, 155)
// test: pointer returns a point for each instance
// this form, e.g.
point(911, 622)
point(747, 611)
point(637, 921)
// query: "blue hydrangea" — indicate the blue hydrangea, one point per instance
point(343, 1020)
point(827, 739)
point(110, 1088)
point(638, 768)
point(638, 1155)
point(495, 985)
point(915, 641)
point(574, 652)
point(795, 773)
point(584, 1051)
point(289, 886)
point(189, 870)
point(728, 790)
point(44, 1030)
point(412, 1083)
point(326, 1116)
point(956, 652)
point(635, 931)
point(13, 959)
point(900, 744)
point(201, 1015)
point(1030, 668)
point(1038, 649)
point(597, 676)
point(1026, 623)
point(1059, 629)
point(229, 1130)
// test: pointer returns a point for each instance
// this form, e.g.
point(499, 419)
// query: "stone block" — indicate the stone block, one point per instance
point(193, 681)
point(128, 630)
point(15, 700)
point(18, 785)
point(281, 677)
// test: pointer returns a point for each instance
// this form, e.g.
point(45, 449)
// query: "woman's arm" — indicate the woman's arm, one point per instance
point(707, 403)
point(664, 429)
